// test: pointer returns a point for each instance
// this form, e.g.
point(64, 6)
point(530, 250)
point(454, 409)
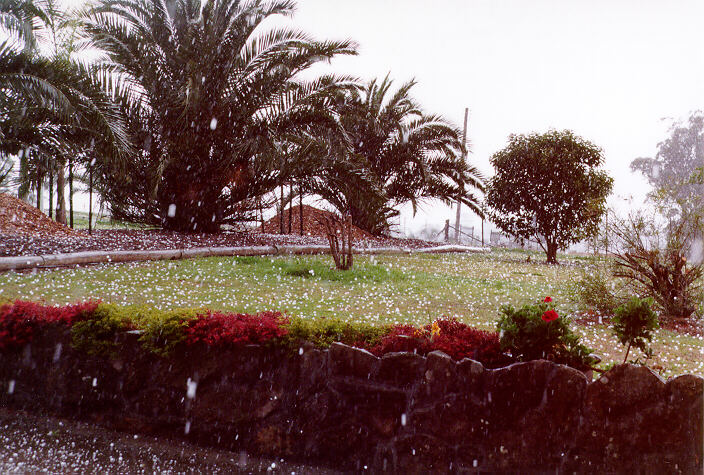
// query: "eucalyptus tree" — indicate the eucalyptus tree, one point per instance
point(675, 173)
point(213, 98)
point(411, 155)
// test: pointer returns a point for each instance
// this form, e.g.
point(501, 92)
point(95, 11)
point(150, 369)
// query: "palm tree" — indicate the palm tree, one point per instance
point(50, 105)
point(412, 156)
point(212, 100)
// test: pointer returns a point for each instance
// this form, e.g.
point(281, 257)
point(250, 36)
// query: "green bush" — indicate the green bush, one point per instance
point(163, 331)
point(536, 331)
point(323, 332)
point(634, 324)
point(96, 334)
point(595, 292)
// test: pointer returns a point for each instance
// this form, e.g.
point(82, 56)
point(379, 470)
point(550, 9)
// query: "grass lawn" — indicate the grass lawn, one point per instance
point(80, 221)
point(383, 289)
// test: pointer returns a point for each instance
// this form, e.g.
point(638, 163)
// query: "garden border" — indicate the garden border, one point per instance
point(100, 257)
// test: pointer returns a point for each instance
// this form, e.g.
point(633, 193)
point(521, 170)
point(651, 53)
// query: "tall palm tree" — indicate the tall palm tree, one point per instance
point(49, 103)
point(413, 156)
point(212, 98)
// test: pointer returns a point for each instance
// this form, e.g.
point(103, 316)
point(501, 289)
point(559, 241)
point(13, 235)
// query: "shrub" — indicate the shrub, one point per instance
point(323, 332)
point(163, 331)
point(20, 320)
point(634, 324)
point(652, 257)
point(402, 337)
point(450, 336)
point(462, 341)
point(538, 332)
point(96, 334)
point(595, 292)
point(235, 329)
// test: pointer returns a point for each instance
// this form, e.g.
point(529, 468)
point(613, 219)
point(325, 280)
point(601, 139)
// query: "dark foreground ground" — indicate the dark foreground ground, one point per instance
point(131, 240)
point(38, 444)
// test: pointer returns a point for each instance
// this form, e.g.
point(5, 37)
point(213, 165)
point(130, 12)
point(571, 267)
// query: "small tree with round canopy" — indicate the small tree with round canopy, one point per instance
point(548, 188)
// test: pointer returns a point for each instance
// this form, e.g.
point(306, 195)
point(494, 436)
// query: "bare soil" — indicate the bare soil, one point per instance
point(311, 223)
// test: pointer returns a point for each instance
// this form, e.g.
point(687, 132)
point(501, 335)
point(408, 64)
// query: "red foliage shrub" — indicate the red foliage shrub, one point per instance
point(20, 320)
point(236, 328)
point(462, 341)
point(454, 338)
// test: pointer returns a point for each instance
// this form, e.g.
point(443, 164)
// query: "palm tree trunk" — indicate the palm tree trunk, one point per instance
point(261, 212)
point(39, 190)
point(281, 214)
point(300, 208)
point(51, 193)
point(60, 188)
point(90, 199)
point(290, 207)
point(70, 190)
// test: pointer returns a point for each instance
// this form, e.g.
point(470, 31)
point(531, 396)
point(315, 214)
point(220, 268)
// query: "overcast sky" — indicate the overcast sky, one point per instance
point(613, 71)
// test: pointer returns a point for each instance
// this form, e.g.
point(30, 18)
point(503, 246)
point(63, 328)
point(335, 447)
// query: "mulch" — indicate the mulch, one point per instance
point(26, 231)
point(132, 240)
point(311, 223)
point(22, 219)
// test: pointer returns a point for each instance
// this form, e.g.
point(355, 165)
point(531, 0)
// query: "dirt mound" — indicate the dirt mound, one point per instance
point(311, 226)
point(20, 218)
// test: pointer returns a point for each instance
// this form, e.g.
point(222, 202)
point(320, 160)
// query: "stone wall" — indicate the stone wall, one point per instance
point(344, 407)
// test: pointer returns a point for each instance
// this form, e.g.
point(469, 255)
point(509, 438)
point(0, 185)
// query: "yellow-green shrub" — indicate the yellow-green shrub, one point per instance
point(323, 332)
point(97, 333)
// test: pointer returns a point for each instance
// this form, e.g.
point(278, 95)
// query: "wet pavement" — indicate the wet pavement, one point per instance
point(40, 444)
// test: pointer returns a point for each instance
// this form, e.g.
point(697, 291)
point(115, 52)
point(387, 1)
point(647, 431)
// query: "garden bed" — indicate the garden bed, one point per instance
point(139, 240)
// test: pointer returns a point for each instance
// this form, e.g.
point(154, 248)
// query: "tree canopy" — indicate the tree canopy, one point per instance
point(548, 188)
point(409, 154)
point(676, 170)
point(215, 101)
point(51, 106)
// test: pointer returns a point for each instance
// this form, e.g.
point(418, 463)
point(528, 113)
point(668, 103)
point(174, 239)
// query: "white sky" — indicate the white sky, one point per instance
point(610, 70)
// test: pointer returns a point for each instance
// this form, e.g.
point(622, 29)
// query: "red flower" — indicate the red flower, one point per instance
point(548, 299)
point(550, 315)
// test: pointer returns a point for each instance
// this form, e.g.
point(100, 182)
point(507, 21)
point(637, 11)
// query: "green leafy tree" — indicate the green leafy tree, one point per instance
point(214, 99)
point(547, 187)
point(634, 324)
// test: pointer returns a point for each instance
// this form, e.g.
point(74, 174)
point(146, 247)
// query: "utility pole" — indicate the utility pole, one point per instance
point(464, 158)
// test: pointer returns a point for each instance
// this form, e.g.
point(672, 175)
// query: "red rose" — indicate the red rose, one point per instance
point(550, 315)
point(548, 299)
